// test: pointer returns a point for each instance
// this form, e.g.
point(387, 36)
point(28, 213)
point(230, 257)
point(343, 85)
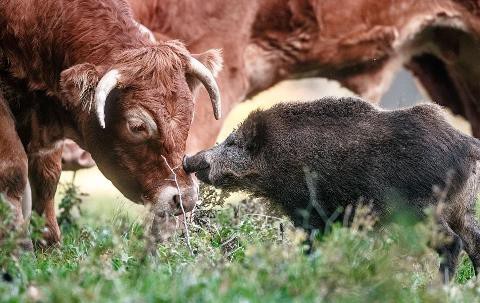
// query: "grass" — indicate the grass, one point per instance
point(242, 253)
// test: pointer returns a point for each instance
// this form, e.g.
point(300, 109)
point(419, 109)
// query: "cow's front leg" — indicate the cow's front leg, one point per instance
point(13, 166)
point(44, 168)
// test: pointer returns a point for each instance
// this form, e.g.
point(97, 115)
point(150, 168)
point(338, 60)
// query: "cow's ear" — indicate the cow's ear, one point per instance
point(213, 60)
point(255, 131)
point(78, 84)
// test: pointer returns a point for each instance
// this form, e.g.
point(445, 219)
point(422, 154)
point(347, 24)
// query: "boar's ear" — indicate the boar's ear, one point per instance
point(255, 131)
point(78, 85)
point(212, 59)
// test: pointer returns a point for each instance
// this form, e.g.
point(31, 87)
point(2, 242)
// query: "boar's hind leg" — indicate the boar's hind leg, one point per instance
point(449, 252)
point(44, 169)
point(460, 215)
point(470, 234)
point(13, 167)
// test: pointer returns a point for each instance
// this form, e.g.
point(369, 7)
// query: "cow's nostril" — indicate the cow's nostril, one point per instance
point(182, 204)
point(177, 201)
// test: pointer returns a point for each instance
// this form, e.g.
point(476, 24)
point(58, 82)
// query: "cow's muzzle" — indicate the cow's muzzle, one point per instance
point(174, 201)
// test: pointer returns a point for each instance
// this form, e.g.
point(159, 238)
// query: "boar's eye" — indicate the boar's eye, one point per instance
point(230, 141)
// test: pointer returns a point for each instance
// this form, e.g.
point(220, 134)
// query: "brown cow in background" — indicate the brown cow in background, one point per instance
point(360, 43)
point(86, 70)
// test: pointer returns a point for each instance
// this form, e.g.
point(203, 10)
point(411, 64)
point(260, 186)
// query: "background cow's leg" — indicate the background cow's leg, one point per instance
point(44, 173)
point(13, 164)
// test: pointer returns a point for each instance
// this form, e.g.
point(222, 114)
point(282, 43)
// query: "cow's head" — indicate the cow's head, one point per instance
point(134, 117)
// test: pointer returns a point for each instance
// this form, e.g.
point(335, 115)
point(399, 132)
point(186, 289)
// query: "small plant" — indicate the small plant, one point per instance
point(70, 202)
point(211, 199)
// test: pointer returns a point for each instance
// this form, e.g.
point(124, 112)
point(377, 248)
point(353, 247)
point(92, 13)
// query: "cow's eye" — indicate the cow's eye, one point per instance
point(138, 130)
point(137, 127)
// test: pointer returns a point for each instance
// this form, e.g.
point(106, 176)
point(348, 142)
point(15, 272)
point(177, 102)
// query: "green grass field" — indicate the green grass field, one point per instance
point(240, 252)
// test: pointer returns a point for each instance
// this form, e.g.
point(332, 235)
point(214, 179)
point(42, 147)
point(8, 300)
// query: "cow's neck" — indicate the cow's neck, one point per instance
point(41, 124)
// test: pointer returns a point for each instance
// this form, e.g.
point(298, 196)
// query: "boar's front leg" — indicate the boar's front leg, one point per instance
point(45, 167)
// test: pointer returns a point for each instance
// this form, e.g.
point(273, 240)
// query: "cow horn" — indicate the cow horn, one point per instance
point(200, 71)
point(105, 86)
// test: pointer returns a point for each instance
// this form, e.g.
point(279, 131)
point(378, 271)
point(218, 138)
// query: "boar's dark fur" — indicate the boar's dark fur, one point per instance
point(344, 151)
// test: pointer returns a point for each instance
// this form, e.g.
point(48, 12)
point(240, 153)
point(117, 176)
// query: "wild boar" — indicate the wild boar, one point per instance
point(325, 155)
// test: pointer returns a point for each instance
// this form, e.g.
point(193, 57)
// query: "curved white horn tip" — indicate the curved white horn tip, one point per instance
point(218, 114)
point(101, 119)
point(104, 87)
point(208, 80)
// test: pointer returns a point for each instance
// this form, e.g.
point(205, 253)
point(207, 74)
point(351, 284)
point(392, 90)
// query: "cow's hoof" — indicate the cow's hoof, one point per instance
point(50, 238)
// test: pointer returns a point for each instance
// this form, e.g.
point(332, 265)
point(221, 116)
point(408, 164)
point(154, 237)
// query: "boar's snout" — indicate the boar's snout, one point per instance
point(195, 163)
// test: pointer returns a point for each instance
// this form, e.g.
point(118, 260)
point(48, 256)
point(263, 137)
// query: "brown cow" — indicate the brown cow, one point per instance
point(358, 42)
point(87, 71)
